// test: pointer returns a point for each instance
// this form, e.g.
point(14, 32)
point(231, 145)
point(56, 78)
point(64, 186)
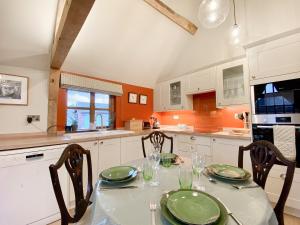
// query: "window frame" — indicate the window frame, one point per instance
point(92, 109)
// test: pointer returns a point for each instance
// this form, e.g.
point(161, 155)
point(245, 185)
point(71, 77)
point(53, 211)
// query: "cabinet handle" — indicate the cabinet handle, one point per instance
point(35, 156)
point(193, 138)
point(282, 176)
point(214, 139)
point(101, 142)
point(95, 143)
point(253, 76)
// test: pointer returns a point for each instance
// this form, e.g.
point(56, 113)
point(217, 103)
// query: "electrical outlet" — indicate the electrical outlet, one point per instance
point(33, 118)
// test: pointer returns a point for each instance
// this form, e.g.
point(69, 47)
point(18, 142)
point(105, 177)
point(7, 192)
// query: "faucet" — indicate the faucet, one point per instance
point(101, 127)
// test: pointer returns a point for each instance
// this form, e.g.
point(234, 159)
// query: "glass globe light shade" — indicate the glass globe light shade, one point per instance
point(235, 31)
point(213, 13)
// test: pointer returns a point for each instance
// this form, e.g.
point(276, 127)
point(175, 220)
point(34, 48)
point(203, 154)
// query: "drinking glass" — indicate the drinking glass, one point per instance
point(147, 170)
point(166, 160)
point(185, 177)
point(154, 159)
point(198, 165)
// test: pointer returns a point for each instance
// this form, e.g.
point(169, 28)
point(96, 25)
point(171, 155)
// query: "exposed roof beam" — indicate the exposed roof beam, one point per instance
point(73, 16)
point(171, 14)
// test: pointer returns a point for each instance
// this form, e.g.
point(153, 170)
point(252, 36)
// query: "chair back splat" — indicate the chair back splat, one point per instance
point(73, 157)
point(264, 155)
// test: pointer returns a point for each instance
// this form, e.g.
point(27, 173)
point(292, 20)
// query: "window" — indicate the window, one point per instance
point(87, 108)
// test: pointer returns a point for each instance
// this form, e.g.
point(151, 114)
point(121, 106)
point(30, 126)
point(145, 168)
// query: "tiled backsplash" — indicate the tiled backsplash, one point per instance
point(205, 114)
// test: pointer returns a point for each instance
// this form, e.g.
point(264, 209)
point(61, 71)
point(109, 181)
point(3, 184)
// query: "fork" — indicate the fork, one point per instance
point(152, 210)
point(240, 187)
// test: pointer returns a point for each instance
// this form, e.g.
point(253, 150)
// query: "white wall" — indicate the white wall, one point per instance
point(13, 118)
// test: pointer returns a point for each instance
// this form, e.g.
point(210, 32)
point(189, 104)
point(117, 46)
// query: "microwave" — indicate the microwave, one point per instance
point(276, 102)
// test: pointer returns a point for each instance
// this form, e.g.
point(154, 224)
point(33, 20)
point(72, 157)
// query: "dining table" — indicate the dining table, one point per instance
point(131, 206)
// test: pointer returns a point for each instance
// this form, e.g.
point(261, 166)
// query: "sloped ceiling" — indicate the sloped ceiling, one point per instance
point(128, 41)
point(26, 31)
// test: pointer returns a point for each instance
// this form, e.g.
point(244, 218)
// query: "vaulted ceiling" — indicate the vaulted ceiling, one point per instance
point(128, 41)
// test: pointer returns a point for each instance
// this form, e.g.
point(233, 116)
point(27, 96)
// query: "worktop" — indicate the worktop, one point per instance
point(19, 142)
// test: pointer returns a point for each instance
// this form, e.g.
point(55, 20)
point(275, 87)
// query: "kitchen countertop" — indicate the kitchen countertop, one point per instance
point(19, 142)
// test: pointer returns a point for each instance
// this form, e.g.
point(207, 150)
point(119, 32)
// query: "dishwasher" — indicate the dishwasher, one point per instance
point(26, 192)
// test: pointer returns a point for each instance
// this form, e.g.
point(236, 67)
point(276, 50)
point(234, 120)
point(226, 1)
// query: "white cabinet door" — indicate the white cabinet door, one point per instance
point(92, 146)
point(26, 191)
point(109, 153)
point(274, 186)
point(202, 81)
point(275, 58)
point(227, 150)
point(233, 83)
point(131, 149)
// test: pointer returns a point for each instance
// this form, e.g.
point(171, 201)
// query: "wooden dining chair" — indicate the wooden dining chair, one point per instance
point(263, 156)
point(73, 157)
point(157, 139)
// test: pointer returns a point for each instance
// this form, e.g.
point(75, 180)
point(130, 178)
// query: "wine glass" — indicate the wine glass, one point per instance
point(198, 165)
point(154, 158)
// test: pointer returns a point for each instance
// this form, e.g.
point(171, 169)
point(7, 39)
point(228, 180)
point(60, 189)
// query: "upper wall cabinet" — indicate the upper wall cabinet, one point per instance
point(232, 83)
point(202, 81)
point(171, 95)
point(274, 60)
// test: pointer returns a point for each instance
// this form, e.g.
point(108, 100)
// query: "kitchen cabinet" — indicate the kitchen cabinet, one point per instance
point(274, 60)
point(92, 146)
point(188, 144)
point(131, 149)
point(232, 83)
point(202, 81)
point(26, 191)
point(109, 153)
point(226, 151)
point(167, 143)
point(274, 186)
point(171, 95)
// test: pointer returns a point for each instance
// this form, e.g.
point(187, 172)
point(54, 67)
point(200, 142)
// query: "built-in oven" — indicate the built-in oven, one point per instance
point(276, 103)
point(265, 132)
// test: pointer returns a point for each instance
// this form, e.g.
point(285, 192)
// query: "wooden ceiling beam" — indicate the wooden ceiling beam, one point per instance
point(172, 15)
point(72, 19)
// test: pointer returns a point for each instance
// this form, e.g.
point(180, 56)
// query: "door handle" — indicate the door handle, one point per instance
point(35, 156)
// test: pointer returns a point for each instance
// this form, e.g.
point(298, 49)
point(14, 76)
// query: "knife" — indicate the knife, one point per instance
point(231, 214)
point(121, 187)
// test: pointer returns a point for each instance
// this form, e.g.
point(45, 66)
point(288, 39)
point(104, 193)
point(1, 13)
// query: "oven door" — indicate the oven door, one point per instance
point(265, 132)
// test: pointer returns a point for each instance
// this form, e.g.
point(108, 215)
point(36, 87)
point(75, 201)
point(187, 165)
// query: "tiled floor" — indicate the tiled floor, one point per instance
point(288, 220)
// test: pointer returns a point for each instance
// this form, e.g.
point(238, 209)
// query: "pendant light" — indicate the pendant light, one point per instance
point(212, 13)
point(235, 29)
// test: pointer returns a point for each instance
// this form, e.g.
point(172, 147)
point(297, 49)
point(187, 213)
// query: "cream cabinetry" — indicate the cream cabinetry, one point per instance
point(275, 60)
point(109, 153)
point(131, 149)
point(188, 144)
point(171, 95)
point(233, 83)
point(202, 81)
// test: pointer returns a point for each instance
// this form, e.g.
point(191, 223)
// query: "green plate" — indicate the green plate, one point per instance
point(228, 171)
point(193, 207)
point(118, 182)
point(118, 173)
point(228, 176)
point(167, 215)
point(172, 156)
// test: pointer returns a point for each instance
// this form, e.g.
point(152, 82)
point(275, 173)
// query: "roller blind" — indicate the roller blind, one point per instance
point(75, 82)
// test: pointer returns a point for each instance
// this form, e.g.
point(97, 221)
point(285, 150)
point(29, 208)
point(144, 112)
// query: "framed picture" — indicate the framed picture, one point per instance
point(13, 90)
point(132, 97)
point(143, 99)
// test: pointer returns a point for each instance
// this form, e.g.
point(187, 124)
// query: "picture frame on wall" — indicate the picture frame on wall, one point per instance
point(143, 99)
point(132, 98)
point(13, 89)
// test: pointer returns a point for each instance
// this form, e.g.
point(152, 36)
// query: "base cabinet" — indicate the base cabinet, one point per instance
point(109, 153)
point(131, 149)
point(26, 192)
